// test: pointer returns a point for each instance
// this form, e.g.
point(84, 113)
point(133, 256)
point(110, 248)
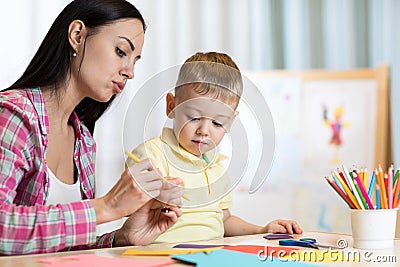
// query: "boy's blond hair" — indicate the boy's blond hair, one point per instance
point(211, 73)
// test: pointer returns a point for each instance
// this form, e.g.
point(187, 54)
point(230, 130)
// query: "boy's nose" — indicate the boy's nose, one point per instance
point(203, 130)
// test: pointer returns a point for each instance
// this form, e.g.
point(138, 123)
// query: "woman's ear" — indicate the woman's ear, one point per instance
point(76, 35)
point(170, 99)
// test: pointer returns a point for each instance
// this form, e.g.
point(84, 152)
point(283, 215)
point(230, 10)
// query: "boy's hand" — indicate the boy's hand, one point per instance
point(283, 226)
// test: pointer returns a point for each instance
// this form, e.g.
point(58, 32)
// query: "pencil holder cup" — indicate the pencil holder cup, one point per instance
point(373, 229)
point(398, 224)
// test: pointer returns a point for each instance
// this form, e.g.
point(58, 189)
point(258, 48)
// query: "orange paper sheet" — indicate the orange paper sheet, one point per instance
point(100, 261)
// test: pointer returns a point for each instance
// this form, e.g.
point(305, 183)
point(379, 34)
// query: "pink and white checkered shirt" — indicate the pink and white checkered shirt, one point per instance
point(27, 225)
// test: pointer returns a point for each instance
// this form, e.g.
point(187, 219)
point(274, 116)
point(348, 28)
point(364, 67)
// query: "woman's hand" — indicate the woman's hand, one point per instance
point(282, 226)
point(137, 185)
point(146, 224)
point(171, 192)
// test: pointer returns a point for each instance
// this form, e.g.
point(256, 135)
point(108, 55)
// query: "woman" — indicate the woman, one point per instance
point(47, 151)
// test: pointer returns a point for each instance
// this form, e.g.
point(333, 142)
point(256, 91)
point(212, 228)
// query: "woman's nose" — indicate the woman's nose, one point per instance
point(128, 71)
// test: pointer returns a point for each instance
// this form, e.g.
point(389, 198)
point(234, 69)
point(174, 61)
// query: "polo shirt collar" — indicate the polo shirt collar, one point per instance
point(169, 138)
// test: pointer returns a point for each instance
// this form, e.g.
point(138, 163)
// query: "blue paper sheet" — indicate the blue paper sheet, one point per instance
point(220, 258)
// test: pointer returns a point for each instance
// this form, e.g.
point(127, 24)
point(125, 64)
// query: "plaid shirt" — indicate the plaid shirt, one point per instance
point(27, 225)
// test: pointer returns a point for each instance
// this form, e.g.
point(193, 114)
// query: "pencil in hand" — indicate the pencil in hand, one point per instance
point(137, 160)
point(132, 157)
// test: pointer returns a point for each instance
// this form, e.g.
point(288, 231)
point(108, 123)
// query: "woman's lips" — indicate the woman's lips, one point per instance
point(118, 86)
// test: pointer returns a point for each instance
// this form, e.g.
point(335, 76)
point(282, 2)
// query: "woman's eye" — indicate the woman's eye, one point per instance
point(120, 52)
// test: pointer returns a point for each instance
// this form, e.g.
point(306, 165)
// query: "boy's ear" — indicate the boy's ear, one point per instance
point(228, 128)
point(170, 99)
point(76, 35)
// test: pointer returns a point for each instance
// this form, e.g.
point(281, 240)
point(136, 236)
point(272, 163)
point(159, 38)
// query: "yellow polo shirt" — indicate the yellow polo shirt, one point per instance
point(202, 214)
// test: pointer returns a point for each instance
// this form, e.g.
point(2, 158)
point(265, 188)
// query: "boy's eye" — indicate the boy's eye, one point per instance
point(120, 52)
point(195, 119)
point(217, 124)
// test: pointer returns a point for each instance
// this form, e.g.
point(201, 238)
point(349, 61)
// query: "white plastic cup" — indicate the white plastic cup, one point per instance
point(398, 224)
point(373, 229)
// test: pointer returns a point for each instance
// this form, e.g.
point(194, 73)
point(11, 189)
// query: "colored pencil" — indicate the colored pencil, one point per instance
point(395, 176)
point(363, 192)
point(340, 192)
point(132, 156)
point(385, 178)
point(382, 188)
point(337, 182)
point(371, 184)
point(390, 189)
point(378, 197)
point(365, 177)
point(360, 174)
point(396, 192)
point(364, 203)
point(351, 184)
point(343, 178)
point(354, 187)
point(347, 190)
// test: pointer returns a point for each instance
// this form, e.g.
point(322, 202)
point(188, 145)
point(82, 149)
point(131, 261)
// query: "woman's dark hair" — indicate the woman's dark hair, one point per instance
point(51, 64)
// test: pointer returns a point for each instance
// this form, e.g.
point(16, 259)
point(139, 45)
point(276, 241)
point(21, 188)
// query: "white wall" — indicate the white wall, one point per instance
point(259, 34)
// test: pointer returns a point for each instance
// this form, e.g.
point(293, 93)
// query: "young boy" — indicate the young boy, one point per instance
point(203, 108)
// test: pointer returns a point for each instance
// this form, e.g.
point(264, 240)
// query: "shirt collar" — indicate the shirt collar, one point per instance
point(36, 96)
point(169, 138)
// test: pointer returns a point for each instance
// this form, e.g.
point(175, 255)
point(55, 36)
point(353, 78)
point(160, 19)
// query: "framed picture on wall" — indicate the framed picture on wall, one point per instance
point(323, 118)
point(346, 119)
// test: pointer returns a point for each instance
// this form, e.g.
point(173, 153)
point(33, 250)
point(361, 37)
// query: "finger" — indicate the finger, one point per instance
point(159, 172)
point(147, 177)
point(167, 186)
point(177, 210)
point(157, 205)
point(297, 229)
point(144, 165)
point(172, 216)
point(288, 226)
point(171, 188)
point(151, 185)
point(173, 180)
point(277, 228)
point(174, 212)
point(175, 196)
point(174, 202)
point(153, 193)
point(172, 196)
point(173, 192)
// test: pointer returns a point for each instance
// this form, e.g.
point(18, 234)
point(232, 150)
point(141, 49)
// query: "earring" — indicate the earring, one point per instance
point(75, 53)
